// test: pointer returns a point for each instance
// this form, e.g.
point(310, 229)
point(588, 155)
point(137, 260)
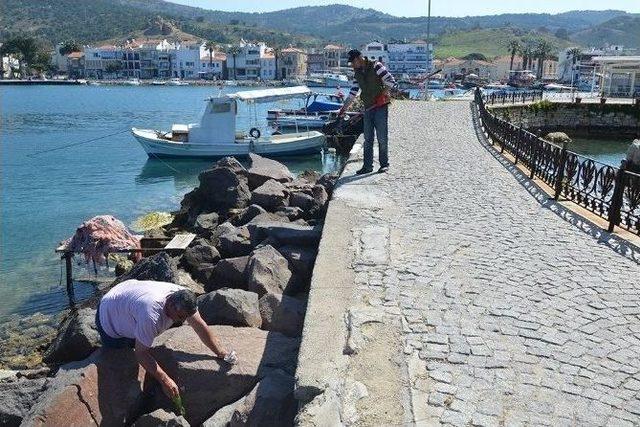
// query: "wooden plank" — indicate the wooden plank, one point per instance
point(180, 241)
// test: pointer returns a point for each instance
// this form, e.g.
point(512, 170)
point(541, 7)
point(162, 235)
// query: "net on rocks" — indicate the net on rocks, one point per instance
point(99, 236)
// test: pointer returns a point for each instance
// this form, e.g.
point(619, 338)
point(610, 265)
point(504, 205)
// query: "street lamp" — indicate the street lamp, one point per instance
point(426, 87)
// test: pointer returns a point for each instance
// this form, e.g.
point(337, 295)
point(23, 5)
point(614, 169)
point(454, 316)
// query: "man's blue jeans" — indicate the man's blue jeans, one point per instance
point(376, 119)
point(110, 342)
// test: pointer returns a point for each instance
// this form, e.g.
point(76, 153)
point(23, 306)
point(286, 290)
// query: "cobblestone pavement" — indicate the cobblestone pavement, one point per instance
point(512, 315)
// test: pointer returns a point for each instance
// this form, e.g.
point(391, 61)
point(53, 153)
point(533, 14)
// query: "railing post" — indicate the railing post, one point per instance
point(616, 199)
point(560, 174)
point(516, 143)
point(533, 167)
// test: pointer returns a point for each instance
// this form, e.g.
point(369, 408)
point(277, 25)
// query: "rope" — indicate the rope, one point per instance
point(73, 144)
point(165, 163)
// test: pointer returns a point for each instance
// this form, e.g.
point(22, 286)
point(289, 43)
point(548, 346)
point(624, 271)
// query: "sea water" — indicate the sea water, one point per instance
point(46, 195)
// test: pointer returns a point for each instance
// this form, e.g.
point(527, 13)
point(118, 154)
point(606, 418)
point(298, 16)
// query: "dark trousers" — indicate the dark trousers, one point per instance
point(376, 119)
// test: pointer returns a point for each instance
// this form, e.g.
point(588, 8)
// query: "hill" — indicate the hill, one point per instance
point(622, 30)
point(489, 42)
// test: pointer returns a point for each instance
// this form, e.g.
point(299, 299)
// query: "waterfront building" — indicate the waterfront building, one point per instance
point(620, 75)
point(503, 63)
point(245, 63)
point(375, 51)
point(316, 61)
point(103, 61)
point(452, 67)
point(213, 66)
point(268, 65)
point(292, 63)
point(186, 63)
point(10, 67)
point(75, 65)
point(333, 57)
point(58, 60)
point(410, 58)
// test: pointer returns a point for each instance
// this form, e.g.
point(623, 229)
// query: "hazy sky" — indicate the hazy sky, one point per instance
point(419, 7)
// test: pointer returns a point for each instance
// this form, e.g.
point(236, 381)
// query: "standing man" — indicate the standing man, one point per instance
point(373, 81)
point(134, 312)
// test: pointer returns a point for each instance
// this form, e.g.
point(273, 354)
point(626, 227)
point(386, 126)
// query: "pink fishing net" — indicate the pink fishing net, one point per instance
point(99, 236)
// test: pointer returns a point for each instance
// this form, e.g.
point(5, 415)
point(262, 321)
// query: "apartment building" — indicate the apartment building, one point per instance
point(292, 63)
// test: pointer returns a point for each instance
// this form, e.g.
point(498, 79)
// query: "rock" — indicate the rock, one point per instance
point(309, 176)
point(233, 307)
point(247, 215)
point(633, 156)
point(228, 272)
point(206, 223)
point(77, 338)
point(558, 137)
point(17, 398)
point(320, 195)
point(160, 417)
point(233, 164)
point(104, 389)
point(123, 266)
point(270, 195)
point(267, 271)
point(151, 238)
point(160, 267)
point(196, 256)
point(223, 228)
point(301, 259)
point(184, 279)
point(328, 181)
point(285, 233)
point(262, 170)
point(301, 200)
point(291, 212)
point(235, 243)
point(270, 403)
point(222, 417)
point(282, 313)
point(222, 188)
point(209, 384)
point(269, 217)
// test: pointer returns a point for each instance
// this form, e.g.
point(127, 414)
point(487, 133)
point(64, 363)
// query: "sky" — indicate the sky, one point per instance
point(419, 7)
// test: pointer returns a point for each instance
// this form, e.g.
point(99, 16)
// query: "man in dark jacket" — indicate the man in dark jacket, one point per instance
point(372, 81)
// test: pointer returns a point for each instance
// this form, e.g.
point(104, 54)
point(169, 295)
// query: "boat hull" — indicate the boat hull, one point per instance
point(278, 146)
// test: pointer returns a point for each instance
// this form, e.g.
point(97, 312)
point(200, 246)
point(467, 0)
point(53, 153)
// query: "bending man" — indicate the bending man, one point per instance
point(373, 81)
point(134, 312)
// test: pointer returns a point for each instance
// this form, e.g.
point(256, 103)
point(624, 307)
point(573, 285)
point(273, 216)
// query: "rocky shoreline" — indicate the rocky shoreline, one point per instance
point(258, 230)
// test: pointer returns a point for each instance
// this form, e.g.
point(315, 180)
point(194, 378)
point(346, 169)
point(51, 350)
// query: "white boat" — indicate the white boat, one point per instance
point(301, 121)
point(177, 82)
point(132, 82)
point(158, 83)
point(329, 80)
point(216, 135)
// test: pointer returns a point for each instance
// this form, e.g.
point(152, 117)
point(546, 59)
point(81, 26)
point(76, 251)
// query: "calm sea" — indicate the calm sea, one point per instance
point(46, 196)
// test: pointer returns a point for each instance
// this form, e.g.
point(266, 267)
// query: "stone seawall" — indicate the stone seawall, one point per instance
point(610, 120)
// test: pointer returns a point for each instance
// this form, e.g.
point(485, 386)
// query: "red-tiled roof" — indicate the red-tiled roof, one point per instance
point(75, 55)
point(333, 47)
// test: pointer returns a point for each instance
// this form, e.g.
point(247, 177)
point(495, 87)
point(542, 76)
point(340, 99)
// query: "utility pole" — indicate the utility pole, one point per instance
point(426, 83)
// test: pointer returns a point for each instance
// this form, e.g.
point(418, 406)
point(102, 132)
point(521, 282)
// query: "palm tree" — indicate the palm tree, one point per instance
point(514, 47)
point(210, 46)
point(542, 52)
point(276, 54)
point(527, 52)
point(234, 51)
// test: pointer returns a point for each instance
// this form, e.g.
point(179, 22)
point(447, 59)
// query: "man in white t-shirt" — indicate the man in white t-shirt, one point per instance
point(134, 312)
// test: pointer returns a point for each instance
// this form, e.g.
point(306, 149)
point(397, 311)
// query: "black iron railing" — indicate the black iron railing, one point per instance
point(609, 192)
point(512, 97)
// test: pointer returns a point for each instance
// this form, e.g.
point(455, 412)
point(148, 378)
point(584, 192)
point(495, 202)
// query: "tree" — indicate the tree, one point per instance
point(475, 56)
point(24, 49)
point(234, 51)
point(514, 47)
point(527, 51)
point(543, 51)
point(276, 54)
point(210, 46)
point(562, 33)
point(69, 46)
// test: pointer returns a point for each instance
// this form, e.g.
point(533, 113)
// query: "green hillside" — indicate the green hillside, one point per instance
point(489, 42)
point(622, 30)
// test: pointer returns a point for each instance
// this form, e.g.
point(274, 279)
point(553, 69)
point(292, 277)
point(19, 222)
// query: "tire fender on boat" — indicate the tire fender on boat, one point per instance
point(254, 133)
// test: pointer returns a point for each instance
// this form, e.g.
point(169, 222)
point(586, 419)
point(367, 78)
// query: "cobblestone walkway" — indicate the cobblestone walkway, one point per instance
point(512, 315)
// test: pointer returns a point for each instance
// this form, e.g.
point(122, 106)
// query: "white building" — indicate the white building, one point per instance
point(58, 60)
point(268, 66)
point(245, 64)
point(375, 51)
point(212, 66)
point(410, 58)
point(102, 61)
point(186, 63)
point(620, 75)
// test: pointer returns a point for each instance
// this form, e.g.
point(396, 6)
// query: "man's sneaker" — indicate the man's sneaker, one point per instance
point(363, 171)
point(383, 169)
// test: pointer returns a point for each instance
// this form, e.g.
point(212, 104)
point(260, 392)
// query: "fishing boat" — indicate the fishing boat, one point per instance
point(521, 78)
point(132, 82)
point(316, 103)
point(216, 135)
point(158, 83)
point(328, 80)
point(177, 82)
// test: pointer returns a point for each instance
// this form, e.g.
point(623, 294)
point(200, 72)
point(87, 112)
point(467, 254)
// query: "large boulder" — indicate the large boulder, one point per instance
point(200, 254)
point(291, 212)
point(16, 399)
point(301, 200)
point(271, 195)
point(104, 389)
point(206, 223)
point(221, 189)
point(301, 259)
point(328, 181)
point(270, 403)
point(262, 170)
point(282, 313)
point(207, 383)
point(161, 418)
point(633, 156)
point(160, 267)
point(235, 243)
point(286, 233)
point(269, 217)
point(247, 215)
point(308, 177)
point(228, 272)
point(267, 271)
point(233, 307)
point(77, 338)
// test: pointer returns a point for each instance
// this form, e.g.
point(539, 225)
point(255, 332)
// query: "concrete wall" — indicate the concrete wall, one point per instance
point(611, 120)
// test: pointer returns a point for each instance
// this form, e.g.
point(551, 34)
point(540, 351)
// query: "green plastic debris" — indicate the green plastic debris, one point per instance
point(177, 402)
point(152, 221)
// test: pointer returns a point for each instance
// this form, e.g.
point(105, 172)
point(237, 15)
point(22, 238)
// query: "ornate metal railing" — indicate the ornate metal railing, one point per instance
point(512, 97)
point(609, 192)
